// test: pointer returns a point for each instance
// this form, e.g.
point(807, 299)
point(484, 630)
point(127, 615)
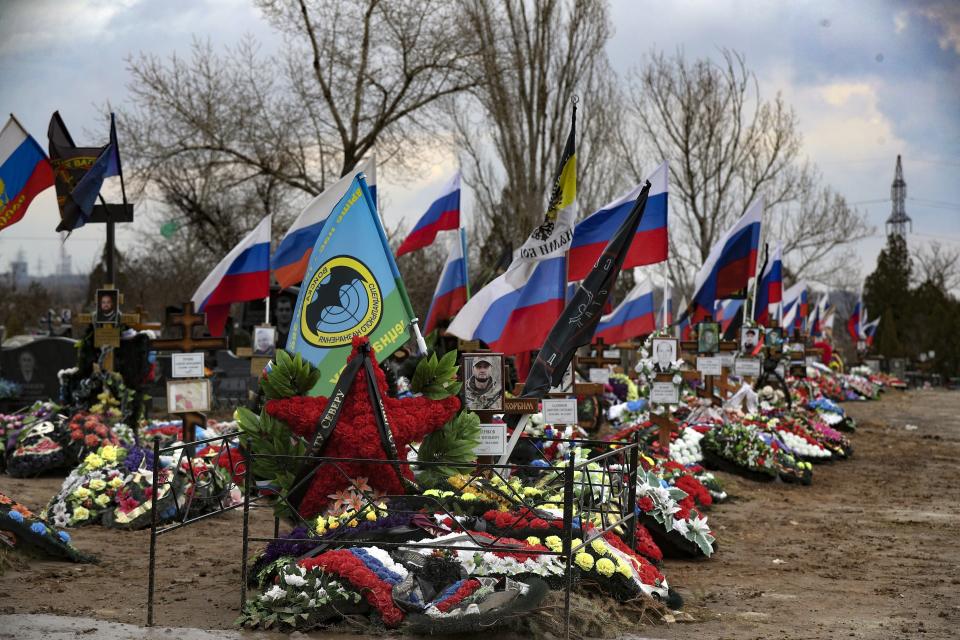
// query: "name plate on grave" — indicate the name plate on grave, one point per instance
point(258, 364)
point(521, 405)
point(726, 359)
point(599, 375)
point(747, 367)
point(709, 365)
point(664, 393)
point(106, 336)
point(186, 365)
point(560, 411)
point(611, 353)
point(811, 360)
point(468, 345)
point(493, 440)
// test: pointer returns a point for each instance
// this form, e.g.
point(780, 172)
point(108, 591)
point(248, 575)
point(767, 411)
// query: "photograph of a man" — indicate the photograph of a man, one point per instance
point(283, 316)
point(483, 390)
point(264, 339)
point(664, 353)
point(749, 339)
point(28, 367)
point(108, 311)
point(708, 337)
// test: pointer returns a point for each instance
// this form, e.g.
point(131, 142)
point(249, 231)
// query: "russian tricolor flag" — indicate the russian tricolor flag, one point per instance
point(24, 172)
point(870, 330)
point(293, 253)
point(855, 323)
point(730, 265)
point(727, 313)
point(632, 318)
point(243, 275)
point(770, 288)
point(649, 246)
point(442, 215)
point(452, 289)
point(792, 300)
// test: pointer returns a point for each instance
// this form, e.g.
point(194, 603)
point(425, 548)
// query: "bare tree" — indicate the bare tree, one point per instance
point(221, 139)
point(534, 57)
point(726, 146)
point(939, 265)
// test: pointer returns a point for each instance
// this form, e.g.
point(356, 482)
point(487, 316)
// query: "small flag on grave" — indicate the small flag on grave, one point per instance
point(244, 274)
point(443, 214)
point(770, 288)
point(352, 288)
point(293, 253)
point(453, 287)
point(632, 318)
point(24, 172)
point(649, 244)
point(730, 265)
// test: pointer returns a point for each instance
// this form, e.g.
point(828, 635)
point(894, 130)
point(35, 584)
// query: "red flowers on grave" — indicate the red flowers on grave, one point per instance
point(356, 434)
point(379, 593)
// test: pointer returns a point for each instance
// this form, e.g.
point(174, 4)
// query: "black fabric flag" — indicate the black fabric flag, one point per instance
point(579, 319)
point(71, 165)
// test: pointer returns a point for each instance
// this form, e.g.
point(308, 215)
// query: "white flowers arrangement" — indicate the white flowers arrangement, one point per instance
point(686, 448)
point(665, 498)
point(802, 447)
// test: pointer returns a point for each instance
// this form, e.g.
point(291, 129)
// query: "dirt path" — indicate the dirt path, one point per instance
point(868, 551)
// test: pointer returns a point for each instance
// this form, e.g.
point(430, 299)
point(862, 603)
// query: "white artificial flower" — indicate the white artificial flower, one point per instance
point(681, 526)
point(294, 580)
point(274, 593)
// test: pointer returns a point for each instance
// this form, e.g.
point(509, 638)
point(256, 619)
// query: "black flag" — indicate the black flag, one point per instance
point(70, 165)
point(579, 319)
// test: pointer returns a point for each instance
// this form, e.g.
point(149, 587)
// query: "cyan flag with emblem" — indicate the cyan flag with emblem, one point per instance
point(351, 287)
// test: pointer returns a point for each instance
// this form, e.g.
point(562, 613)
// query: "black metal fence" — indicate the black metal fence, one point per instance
point(600, 487)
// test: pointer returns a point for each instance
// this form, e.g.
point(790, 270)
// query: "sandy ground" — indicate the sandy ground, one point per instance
point(868, 551)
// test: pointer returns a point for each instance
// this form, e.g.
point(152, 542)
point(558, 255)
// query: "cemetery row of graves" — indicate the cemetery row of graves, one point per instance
point(433, 506)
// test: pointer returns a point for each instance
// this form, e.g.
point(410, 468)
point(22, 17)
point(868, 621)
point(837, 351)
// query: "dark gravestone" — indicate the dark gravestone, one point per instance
point(232, 381)
point(34, 367)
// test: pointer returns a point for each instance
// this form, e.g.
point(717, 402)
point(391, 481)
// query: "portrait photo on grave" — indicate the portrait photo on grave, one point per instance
point(708, 337)
point(483, 386)
point(264, 341)
point(108, 306)
point(749, 339)
point(774, 336)
point(665, 352)
point(188, 395)
point(282, 311)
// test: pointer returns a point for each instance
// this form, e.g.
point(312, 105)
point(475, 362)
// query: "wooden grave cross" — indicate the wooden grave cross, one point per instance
point(186, 343)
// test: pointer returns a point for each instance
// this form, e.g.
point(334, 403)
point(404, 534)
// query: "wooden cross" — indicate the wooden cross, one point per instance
point(596, 357)
point(186, 343)
point(141, 324)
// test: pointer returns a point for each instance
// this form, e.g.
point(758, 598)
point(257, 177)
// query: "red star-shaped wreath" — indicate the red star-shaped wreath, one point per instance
point(356, 435)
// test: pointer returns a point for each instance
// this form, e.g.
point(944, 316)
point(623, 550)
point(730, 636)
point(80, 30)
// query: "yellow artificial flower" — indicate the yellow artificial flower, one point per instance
point(599, 546)
point(605, 567)
point(109, 453)
point(554, 543)
point(334, 524)
point(97, 484)
point(81, 493)
point(533, 540)
point(353, 523)
point(371, 515)
point(584, 561)
point(468, 497)
point(80, 513)
point(624, 569)
point(93, 461)
point(102, 500)
point(116, 482)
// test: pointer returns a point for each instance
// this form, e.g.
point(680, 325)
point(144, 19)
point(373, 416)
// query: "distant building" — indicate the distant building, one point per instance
point(19, 270)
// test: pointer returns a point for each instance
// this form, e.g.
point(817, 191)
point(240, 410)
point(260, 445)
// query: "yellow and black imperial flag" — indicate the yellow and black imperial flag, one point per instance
point(579, 319)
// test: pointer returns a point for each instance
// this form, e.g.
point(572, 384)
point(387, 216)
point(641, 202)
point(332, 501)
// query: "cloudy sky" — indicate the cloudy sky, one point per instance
point(868, 79)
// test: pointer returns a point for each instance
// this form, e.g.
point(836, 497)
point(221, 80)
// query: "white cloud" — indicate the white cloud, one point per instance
point(901, 20)
point(32, 26)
